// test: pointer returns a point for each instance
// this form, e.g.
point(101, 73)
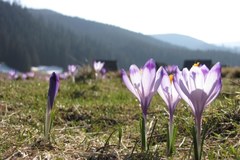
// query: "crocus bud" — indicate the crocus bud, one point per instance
point(53, 89)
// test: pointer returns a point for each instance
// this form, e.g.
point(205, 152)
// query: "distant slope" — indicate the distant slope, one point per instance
point(233, 46)
point(42, 37)
point(126, 46)
point(129, 47)
point(186, 41)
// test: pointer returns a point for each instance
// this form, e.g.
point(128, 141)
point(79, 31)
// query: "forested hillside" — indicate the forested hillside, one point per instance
point(27, 41)
point(41, 37)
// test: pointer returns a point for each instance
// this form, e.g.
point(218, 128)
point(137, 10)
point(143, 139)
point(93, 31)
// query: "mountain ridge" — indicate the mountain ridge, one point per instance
point(44, 37)
point(188, 42)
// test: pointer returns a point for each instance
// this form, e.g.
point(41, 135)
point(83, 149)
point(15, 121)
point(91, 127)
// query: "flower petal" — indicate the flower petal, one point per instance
point(175, 97)
point(198, 98)
point(158, 80)
point(197, 78)
point(129, 84)
point(181, 86)
point(213, 83)
point(213, 76)
point(148, 77)
point(204, 69)
point(164, 88)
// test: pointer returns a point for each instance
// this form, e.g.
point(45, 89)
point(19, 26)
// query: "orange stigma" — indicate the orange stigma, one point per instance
point(171, 77)
point(197, 64)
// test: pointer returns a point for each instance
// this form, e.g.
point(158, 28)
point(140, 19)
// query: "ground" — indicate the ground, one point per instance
point(99, 119)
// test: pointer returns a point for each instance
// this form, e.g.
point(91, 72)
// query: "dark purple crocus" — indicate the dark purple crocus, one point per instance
point(52, 93)
point(53, 89)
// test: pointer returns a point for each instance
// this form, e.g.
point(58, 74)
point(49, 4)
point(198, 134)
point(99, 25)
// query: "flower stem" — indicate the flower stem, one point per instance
point(143, 132)
point(197, 139)
point(47, 125)
point(73, 78)
point(170, 140)
point(198, 129)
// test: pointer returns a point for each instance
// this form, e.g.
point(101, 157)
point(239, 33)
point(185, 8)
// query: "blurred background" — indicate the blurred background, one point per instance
point(37, 33)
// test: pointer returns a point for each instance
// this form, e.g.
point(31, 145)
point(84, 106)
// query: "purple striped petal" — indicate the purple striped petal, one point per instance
point(204, 69)
point(158, 80)
point(148, 76)
point(136, 77)
point(181, 86)
point(164, 88)
point(196, 78)
point(129, 84)
point(213, 83)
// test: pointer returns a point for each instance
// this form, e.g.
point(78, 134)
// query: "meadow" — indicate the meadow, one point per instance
point(99, 119)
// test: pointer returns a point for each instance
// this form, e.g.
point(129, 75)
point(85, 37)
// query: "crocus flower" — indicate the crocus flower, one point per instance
point(13, 75)
point(24, 76)
point(171, 69)
point(171, 97)
point(198, 86)
point(143, 83)
point(97, 67)
point(52, 93)
point(64, 75)
point(168, 92)
point(72, 69)
point(30, 74)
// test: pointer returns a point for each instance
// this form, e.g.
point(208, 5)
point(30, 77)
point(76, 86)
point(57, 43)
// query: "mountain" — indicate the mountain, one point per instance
point(187, 41)
point(43, 37)
point(233, 46)
point(135, 46)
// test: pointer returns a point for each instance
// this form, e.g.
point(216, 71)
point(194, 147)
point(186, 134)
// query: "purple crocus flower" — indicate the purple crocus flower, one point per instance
point(13, 74)
point(171, 97)
point(30, 74)
point(198, 86)
point(53, 89)
point(98, 66)
point(168, 92)
point(143, 83)
point(52, 93)
point(24, 76)
point(72, 69)
point(64, 75)
point(171, 69)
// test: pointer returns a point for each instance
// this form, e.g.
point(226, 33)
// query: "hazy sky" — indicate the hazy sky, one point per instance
point(213, 21)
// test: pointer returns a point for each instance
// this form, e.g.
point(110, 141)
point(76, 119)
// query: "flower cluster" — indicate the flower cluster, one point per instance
point(198, 87)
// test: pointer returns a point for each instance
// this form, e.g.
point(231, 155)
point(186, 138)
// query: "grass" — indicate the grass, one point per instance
point(99, 119)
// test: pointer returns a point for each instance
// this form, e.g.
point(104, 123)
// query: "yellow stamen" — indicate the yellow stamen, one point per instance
point(171, 77)
point(196, 64)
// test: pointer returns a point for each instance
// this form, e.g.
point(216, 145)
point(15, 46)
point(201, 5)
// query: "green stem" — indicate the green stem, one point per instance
point(170, 140)
point(47, 125)
point(197, 139)
point(73, 78)
point(143, 132)
point(198, 129)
